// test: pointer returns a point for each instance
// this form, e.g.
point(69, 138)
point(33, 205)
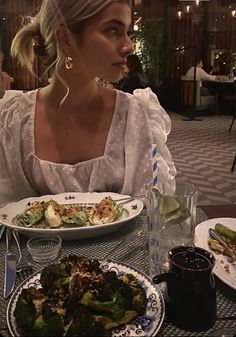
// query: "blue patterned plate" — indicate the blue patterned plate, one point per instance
point(147, 325)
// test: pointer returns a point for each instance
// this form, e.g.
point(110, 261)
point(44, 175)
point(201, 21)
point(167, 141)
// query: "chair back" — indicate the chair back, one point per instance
point(203, 101)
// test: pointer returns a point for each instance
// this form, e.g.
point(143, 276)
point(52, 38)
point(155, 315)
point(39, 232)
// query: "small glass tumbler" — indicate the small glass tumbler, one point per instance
point(44, 249)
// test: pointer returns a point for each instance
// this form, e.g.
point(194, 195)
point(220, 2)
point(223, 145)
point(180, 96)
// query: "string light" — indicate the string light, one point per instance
point(179, 15)
point(187, 9)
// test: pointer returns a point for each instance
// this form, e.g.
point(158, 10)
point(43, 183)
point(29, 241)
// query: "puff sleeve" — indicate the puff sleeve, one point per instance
point(13, 182)
point(147, 124)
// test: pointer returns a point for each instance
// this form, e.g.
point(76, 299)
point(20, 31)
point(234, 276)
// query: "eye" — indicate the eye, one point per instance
point(112, 31)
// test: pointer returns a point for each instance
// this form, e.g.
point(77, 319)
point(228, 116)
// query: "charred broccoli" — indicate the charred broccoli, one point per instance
point(85, 323)
point(78, 299)
point(53, 326)
point(28, 305)
point(54, 276)
point(25, 312)
point(139, 294)
point(119, 302)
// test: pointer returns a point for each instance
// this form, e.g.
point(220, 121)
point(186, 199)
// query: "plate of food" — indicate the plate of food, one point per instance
point(225, 266)
point(75, 297)
point(70, 215)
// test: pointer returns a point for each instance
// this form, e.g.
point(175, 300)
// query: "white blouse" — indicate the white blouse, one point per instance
point(126, 166)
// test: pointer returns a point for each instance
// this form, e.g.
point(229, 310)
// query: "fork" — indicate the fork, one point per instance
point(22, 263)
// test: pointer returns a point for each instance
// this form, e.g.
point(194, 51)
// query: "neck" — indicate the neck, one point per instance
point(80, 95)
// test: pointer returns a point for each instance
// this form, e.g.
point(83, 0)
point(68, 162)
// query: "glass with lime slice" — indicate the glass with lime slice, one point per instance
point(172, 218)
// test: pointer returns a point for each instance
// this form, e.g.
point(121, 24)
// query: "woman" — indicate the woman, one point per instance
point(75, 134)
point(135, 78)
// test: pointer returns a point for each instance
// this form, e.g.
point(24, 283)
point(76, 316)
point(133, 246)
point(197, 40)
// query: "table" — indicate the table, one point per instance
point(221, 89)
point(219, 211)
point(135, 254)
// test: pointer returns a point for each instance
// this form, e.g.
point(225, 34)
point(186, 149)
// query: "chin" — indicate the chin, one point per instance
point(112, 77)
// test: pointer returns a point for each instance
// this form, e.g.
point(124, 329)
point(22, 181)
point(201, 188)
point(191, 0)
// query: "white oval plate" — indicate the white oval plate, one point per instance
point(201, 238)
point(147, 325)
point(131, 210)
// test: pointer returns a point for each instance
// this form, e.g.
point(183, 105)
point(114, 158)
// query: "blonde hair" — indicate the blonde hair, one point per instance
point(38, 36)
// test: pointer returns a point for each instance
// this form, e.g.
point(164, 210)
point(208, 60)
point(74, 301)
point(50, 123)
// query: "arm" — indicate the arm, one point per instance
point(5, 80)
point(147, 123)
point(13, 182)
point(204, 76)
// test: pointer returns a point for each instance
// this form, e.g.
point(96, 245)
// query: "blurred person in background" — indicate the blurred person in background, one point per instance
point(5, 79)
point(201, 74)
point(216, 69)
point(135, 78)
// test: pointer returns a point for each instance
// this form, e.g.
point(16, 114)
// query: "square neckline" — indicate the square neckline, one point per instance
point(108, 140)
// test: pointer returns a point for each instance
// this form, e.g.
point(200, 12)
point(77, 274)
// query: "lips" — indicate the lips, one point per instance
point(120, 65)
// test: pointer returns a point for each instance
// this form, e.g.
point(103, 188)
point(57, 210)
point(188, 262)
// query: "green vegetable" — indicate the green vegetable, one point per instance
point(79, 218)
point(85, 323)
point(226, 232)
point(54, 275)
point(53, 326)
point(30, 217)
point(25, 313)
point(78, 299)
point(121, 300)
point(139, 294)
point(26, 310)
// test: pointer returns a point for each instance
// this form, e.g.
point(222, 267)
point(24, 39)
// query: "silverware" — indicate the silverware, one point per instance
point(120, 201)
point(128, 199)
point(22, 262)
point(10, 267)
point(220, 239)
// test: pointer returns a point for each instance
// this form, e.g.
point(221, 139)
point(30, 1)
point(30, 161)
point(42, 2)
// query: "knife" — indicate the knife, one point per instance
point(10, 267)
point(221, 240)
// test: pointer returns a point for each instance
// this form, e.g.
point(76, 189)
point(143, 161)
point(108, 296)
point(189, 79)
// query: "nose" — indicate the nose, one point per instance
point(127, 47)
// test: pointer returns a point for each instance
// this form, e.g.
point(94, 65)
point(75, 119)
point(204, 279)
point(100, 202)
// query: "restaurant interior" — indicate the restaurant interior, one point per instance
point(168, 37)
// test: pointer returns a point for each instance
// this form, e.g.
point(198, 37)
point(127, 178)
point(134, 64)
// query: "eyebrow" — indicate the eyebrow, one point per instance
point(114, 21)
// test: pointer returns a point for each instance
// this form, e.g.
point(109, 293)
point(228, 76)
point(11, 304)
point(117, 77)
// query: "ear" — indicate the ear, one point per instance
point(64, 39)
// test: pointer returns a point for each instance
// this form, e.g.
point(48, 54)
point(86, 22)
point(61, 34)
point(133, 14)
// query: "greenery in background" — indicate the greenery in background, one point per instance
point(156, 50)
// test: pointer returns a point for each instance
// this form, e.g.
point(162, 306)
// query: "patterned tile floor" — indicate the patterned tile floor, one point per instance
point(203, 152)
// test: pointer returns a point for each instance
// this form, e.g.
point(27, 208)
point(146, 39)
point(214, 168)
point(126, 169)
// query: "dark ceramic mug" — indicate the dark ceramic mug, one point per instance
point(191, 294)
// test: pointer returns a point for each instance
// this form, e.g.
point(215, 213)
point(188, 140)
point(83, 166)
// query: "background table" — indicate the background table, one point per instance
point(135, 254)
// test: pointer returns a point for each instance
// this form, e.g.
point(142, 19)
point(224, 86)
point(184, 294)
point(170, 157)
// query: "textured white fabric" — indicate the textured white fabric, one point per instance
point(138, 121)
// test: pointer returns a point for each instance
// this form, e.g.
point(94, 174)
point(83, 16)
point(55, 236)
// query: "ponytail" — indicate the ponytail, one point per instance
point(22, 46)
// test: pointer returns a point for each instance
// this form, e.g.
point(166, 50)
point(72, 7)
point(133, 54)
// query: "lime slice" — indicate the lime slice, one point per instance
point(172, 210)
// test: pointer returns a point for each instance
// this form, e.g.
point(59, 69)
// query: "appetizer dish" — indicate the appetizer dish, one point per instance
point(229, 236)
point(51, 214)
point(77, 298)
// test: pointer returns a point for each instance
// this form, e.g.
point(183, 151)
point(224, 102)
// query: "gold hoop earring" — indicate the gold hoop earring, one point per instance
point(68, 62)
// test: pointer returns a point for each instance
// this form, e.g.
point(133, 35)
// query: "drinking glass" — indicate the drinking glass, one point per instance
point(171, 221)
